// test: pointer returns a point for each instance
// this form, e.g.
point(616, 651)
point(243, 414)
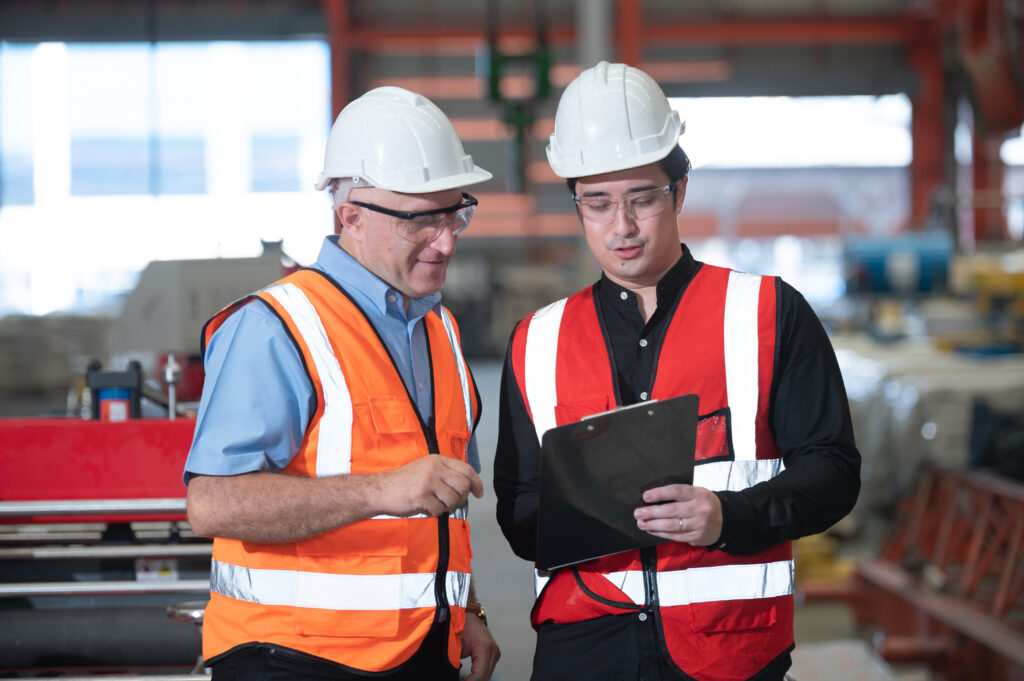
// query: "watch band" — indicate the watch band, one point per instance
point(476, 608)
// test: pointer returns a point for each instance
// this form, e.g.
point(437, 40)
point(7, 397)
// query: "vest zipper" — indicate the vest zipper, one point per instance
point(443, 538)
point(649, 561)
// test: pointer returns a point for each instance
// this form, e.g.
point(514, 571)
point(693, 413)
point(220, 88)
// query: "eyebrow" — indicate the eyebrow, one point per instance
point(631, 190)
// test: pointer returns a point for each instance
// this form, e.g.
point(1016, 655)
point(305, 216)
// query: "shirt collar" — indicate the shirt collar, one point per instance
point(354, 276)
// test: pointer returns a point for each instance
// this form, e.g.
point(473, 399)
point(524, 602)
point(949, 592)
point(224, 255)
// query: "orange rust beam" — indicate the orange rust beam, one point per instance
point(630, 20)
point(338, 19)
point(752, 31)
point(771, 31)
point(927, 129)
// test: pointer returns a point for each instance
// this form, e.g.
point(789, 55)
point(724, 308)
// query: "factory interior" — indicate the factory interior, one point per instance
point(158, 161)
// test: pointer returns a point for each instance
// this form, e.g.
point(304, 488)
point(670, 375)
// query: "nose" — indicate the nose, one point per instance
point(625, 221)
point(445, 241)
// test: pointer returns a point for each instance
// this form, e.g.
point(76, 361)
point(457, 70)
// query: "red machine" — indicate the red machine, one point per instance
point(94, 551)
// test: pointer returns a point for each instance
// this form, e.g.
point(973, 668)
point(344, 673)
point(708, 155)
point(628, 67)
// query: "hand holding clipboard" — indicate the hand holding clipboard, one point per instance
point(594, 474)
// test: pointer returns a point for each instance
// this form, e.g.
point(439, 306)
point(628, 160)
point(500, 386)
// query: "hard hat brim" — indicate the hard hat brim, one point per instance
point(475, 176)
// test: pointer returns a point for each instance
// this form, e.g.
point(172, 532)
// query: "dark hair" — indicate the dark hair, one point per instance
point(676, 165)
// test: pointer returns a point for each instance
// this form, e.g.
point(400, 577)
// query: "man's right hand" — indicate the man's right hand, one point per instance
point(432, 485)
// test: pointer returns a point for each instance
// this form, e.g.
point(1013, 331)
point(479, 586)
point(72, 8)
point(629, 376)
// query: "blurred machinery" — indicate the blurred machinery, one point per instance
point(166, 310)
point(97, 563)
point(888, 277)
point(917, 284)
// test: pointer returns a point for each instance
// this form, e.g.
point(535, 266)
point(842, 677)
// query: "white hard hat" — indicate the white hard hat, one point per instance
point(611, 117)
point(397, 140)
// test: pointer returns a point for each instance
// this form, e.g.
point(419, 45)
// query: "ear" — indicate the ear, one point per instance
point(681, 193)
point(351, 219)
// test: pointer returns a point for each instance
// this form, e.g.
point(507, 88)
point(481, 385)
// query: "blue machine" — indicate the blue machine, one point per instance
point(903, 265)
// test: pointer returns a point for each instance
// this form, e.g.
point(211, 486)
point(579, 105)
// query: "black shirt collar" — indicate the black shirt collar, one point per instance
point(668, 287)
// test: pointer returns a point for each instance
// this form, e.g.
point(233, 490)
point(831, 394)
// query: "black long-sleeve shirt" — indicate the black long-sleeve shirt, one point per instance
point(809, 418)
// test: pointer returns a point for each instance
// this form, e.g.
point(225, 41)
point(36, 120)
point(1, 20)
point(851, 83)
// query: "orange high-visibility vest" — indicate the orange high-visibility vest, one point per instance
point(722, 617)
point(365, 595)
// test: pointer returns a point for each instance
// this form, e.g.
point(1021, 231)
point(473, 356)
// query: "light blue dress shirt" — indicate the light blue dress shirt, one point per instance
point(257, 399)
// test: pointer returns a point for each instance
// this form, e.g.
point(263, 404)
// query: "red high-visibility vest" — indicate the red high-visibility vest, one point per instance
point(722, 617)
point(364, 595)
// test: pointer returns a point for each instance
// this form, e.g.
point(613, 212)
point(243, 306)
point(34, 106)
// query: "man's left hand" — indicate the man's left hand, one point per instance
point(681, 513)
point(479, 646)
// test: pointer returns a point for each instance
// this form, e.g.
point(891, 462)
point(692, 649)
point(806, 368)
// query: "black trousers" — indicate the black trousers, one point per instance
point(268, 662)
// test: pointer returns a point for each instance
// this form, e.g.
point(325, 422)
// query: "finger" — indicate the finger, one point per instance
point(482, 666)
point(476, 484)
point(668, 493)
point(666, 510)
point(674, 526)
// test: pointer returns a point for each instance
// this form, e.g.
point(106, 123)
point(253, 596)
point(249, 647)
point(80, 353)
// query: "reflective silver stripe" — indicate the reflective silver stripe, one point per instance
point(710, 584)
point(334, 449)
point(457, 588)
point(741, 346)
point(460, 361)
point(540, 580)
point(541, 350)
point(734, 476)
point(334, 592)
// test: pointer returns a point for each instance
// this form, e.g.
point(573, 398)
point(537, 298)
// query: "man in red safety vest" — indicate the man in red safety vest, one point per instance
point(775, 458)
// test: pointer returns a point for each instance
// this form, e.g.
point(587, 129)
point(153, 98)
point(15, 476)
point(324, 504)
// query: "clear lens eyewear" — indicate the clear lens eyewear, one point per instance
point(638, 206)
point(426, 226)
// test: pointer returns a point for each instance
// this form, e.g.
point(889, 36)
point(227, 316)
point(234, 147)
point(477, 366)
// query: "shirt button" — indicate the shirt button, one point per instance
point(643, 396)
point(624, 295)
point(391, 297)
point(643, 342)
point(420, 385)
point(643, 617)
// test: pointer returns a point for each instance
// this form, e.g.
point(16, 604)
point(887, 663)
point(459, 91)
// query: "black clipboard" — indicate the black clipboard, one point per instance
point(593, 474)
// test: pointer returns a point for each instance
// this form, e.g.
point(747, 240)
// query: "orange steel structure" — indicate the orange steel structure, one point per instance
point(977, 30)
point(948, 586)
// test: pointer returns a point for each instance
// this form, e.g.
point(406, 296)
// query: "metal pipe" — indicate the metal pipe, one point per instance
point(144, 677)
point(69, 552)
point(28, 590)
point(64, 507)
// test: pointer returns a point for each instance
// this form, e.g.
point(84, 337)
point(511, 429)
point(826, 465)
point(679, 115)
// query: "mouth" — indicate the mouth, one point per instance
point(432, 263)
point(628, 251)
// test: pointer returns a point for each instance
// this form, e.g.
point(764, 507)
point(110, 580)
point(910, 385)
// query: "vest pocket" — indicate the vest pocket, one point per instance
point(714, 440)
point(736, 615)
point(459, 442)
point(393, 415)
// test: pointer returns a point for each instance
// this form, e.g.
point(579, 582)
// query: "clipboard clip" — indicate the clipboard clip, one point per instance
point(617, 409)
point(599, 424)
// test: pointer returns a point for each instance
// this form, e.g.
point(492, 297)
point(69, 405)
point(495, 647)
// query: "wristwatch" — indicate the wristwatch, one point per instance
point(477, 609)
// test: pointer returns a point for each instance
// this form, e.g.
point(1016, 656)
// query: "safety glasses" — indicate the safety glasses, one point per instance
point(426, 226)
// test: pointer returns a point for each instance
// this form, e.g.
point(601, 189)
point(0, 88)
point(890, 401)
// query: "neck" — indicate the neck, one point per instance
point(353, 248)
